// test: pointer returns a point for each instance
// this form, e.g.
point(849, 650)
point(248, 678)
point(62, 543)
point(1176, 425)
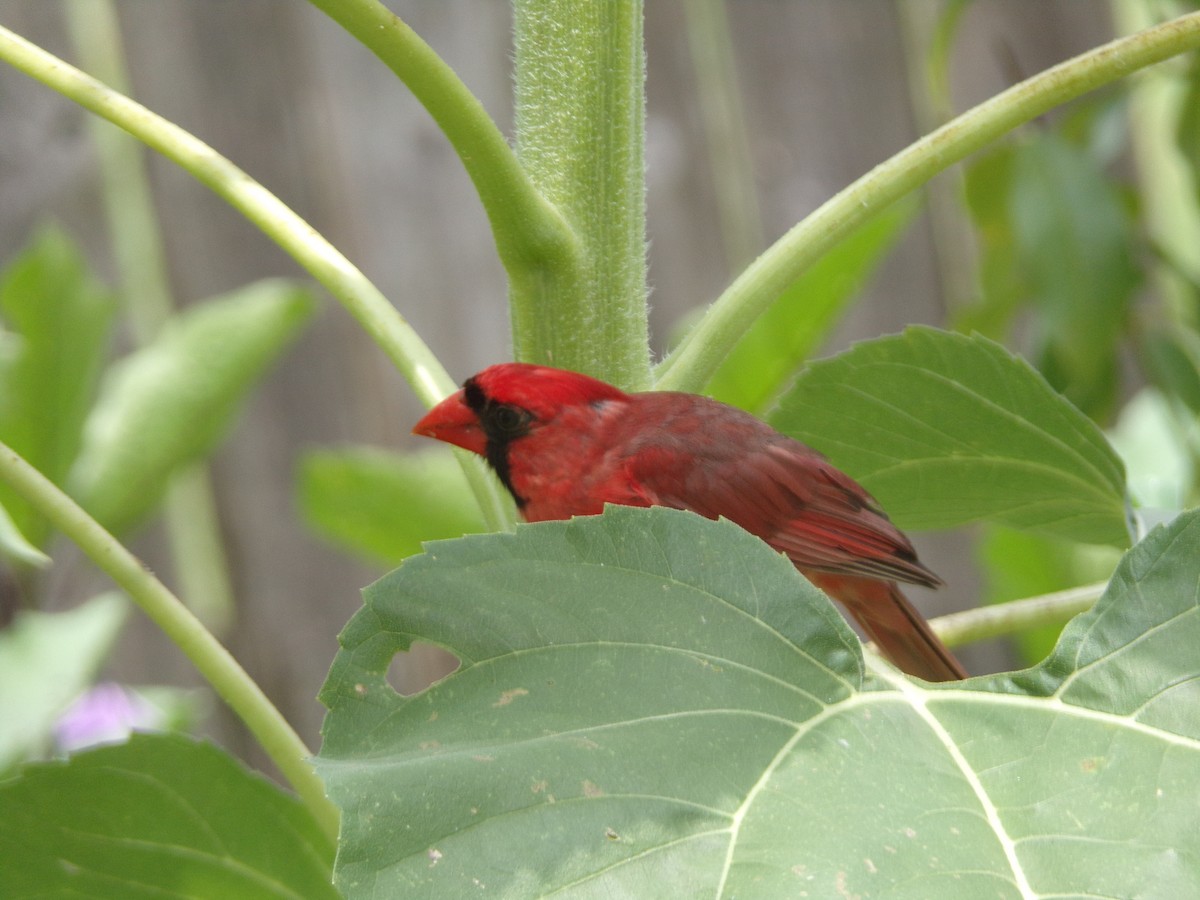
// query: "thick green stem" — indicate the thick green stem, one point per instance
point(337, 274)
point(212, 660)
point(691, 365)
point(190, 512)
point(580, 73)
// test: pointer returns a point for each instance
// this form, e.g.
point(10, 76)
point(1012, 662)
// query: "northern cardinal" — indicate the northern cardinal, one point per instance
point(565, 444)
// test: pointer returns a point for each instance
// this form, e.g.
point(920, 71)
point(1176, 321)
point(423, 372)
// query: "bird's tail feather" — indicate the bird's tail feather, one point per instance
point(890, 620)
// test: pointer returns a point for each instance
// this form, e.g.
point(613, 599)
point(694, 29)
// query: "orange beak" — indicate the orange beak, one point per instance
point(455, 423)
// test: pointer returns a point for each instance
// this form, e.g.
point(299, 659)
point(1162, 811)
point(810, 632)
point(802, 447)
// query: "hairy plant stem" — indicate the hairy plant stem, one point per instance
point(580, 131)
point(418, 365)
point(696, 358)
point(212, 660)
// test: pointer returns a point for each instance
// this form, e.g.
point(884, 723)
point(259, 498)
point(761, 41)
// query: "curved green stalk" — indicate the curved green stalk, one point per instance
point(213, 661)
point(337, 274)
point(692, 363)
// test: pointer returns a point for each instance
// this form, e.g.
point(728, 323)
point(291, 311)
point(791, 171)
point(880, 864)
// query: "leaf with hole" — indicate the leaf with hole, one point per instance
point(654, 704)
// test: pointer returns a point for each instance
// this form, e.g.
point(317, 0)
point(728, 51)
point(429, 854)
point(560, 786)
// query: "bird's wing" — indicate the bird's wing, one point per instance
point(786, 494)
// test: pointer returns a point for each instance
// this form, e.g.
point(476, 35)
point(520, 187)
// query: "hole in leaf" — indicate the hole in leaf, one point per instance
point(423, 664)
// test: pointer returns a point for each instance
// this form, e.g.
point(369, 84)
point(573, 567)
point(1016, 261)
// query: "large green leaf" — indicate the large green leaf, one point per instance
point(606, 663)
point(945, 429)
point(766, 358)
point(382, 505)
point(159, 816)
point(46, 661)
point(653, 704)
point(59, 317)
point(170, 403)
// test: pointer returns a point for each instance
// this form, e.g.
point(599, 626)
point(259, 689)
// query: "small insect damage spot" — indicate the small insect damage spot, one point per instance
point(507, 697)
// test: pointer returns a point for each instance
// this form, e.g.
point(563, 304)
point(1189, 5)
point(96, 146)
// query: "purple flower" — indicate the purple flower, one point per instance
point(105, 714)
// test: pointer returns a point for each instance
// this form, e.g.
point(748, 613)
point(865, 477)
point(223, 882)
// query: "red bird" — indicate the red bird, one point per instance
point(565, 444)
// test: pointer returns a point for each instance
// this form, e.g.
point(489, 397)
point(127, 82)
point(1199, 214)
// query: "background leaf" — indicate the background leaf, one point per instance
point(1074, 238)
point(60, 318)
point(46, 661)
point(1002, 287)
point(1153, 444)
point(1170, 356)
point(652, 704)
point(766, 358)
point(946, 429)
point(171, 402)
point(159, 816)
point(1187, 129)
point(1057, 239)
point(15, 546)
point(381, 505)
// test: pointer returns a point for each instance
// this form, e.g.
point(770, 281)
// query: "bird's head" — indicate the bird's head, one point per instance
point(508, 401)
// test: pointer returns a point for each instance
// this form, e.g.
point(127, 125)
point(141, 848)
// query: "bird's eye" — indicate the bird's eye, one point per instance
point(508, 419)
